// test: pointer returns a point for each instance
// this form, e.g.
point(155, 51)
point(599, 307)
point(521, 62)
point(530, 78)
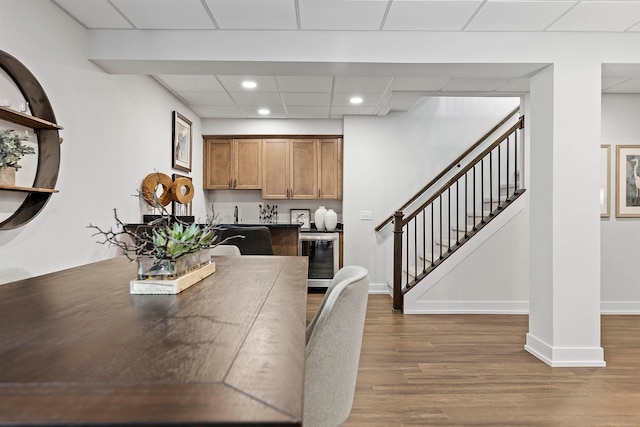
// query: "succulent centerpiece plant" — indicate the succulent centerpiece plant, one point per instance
point(165, 245)
point(12, 149)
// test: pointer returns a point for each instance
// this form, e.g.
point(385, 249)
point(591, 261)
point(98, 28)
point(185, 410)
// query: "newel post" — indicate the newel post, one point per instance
point(398, 299)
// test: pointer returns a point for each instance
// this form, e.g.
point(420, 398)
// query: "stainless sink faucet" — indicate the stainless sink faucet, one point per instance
point(235, 215)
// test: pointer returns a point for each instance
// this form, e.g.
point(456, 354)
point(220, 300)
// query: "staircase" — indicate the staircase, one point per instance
point(456, 205)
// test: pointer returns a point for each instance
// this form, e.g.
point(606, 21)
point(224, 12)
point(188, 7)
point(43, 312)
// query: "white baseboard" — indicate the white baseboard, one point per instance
point(620, 307)
point(565, 357)
point(380, 288)
point(468, 307)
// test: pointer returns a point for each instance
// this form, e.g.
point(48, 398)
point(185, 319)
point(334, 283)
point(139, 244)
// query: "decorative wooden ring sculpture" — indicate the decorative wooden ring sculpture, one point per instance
point(149, 185)
point(177, 193)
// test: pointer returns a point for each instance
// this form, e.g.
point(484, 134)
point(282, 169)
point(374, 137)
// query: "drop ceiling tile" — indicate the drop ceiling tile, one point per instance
point(207, 98)
point(230, 112)
point(430, 15)
point(94, 13)
point(234, 83)
point(500, 15)
point(254, 14)
point(302, 112)
point(165, 14)
point(368, 99)
point(257, 98)
point(599, 16)
point(361, 84)
point(309, 99)
point(342, 14)
point(305, 83)
point(191, 83)
point(418, 83)
point(473, 84)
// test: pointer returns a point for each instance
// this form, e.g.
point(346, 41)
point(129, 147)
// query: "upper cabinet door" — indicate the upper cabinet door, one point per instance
point(275, 169)
point(330, 168)
point(304, 169)
point(218, 164)
point(248, 164)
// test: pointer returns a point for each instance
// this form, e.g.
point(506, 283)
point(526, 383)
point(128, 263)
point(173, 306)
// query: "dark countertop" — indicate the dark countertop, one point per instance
point(284, 225)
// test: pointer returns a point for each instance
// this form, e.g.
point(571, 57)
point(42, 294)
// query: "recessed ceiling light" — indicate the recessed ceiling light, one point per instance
point(264, 112)
point(248, 84)
point(356, 100)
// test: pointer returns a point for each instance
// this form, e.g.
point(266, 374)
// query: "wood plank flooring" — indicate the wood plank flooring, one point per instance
point(472, 370)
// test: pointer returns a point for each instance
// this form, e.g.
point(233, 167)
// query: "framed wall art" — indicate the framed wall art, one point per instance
point(302, 217)
point(181, 143)
point(605, 174)
point(627, 181)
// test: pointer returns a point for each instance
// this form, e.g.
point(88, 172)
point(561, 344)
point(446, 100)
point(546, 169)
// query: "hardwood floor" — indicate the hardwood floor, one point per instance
point(472, 370)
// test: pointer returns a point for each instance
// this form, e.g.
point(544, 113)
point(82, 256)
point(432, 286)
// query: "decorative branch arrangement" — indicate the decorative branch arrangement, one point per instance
point(269, 214)
point(165, 238)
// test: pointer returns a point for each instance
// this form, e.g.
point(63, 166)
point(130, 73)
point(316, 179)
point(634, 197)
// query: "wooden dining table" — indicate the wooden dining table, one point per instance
point(76, 348)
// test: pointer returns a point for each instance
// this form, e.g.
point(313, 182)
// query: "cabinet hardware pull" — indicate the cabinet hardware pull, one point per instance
point(230, 183)
point(235, 183)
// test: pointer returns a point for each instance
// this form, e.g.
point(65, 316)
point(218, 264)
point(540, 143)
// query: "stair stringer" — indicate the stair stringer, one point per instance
point(412, 304)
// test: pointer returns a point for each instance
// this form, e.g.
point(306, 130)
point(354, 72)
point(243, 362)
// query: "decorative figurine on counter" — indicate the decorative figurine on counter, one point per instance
point(268, 214)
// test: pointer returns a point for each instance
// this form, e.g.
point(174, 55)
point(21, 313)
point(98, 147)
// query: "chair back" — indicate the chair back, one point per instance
point(256, 241)
point(13, 274)
point(332, 353)
point(224, 250)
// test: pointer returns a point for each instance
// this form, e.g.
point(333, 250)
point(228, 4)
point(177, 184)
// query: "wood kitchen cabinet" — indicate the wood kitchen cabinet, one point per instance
point(330, 168)
point(289, 168)
point(232, 164)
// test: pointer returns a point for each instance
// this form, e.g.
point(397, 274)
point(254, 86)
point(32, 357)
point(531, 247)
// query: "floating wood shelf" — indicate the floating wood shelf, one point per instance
point(28, 189)
point(26, 120)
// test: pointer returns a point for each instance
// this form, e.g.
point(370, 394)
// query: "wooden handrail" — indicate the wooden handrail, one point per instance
point(518, 125)
point(389, 219)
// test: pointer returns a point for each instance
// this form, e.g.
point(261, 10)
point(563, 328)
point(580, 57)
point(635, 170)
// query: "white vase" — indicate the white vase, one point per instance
point(8, 176)
point(330, 220)
point(319, 217)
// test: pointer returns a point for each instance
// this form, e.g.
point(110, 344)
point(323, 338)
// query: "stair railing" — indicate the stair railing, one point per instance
point(456, 211)
point(448, 168)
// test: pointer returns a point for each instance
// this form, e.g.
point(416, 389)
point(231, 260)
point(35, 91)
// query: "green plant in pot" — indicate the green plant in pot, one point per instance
point(12, 149)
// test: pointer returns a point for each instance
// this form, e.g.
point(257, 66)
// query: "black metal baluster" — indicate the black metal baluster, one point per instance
point(449, 219)
point(433, 239)
point(424, 240)
point(490, 182)
point(415, 247)
point(499, 164)
point(507, 183)
point(474, 197)
point(482, 189)
point(457, 212)
point(440, 203)
point(466, 196)
point(406, 233)
point(515, 163)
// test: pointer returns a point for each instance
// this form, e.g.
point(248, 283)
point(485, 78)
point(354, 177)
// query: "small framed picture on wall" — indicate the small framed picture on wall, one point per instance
point(605, 174)
point(181, 143)
point(627, 181)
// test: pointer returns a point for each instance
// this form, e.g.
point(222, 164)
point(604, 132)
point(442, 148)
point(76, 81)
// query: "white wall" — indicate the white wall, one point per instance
point(117, 129)
point(620, 283)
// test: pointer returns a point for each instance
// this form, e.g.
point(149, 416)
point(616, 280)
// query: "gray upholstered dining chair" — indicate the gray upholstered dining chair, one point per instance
point(224, 250)
point(332, 353)
point(256, 241)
